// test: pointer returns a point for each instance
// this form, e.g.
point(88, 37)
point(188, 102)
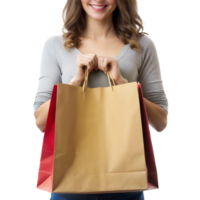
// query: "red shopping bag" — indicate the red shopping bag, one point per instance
point(45, 175)
point(149, 154)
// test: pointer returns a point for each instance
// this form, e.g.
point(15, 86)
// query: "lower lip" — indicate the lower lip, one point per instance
point(97, 9)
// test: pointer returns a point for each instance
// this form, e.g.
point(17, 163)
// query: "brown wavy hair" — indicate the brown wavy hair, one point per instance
point(127, 23)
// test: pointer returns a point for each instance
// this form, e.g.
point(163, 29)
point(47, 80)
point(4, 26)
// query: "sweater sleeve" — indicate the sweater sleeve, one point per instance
point(150, 74)
point(50, 74)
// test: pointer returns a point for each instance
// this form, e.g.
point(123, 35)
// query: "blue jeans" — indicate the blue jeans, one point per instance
point(103, 196)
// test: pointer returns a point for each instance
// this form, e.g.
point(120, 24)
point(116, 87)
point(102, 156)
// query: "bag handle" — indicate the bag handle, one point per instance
point(86, 79)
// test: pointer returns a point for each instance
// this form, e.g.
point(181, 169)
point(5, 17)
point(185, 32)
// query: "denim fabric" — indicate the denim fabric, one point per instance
point(107, 196)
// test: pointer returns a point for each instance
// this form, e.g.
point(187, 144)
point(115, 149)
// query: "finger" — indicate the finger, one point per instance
point(100, 63)
point(85, 62)
point(90, 65)
point(105, 65)
point(90, 55)
point(93, 61)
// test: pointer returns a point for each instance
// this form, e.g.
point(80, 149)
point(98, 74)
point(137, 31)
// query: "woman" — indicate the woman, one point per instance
point(102, 35)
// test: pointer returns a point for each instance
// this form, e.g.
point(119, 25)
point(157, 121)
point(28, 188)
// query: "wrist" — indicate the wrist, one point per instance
point(76, 82)
point(121, 80)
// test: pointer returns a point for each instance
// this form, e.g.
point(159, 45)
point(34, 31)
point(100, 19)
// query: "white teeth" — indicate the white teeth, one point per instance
point(98, 6)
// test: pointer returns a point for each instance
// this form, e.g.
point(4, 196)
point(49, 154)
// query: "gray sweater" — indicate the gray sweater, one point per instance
point(58, 65)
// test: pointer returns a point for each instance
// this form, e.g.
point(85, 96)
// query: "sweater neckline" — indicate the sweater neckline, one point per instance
point(121, 53)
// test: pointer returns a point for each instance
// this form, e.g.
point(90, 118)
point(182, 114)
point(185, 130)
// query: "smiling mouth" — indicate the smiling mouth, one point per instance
point(98, 7)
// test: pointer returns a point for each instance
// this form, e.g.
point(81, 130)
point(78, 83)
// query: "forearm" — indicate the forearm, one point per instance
point(41, 115)
point(157, 116)
point(76, 82)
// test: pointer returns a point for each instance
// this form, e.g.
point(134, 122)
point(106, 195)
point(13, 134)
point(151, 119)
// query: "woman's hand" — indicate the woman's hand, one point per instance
point(82, 61)
point(110, 64)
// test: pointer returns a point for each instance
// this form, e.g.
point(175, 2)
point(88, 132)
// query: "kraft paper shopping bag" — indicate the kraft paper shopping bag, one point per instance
point(97, 140)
